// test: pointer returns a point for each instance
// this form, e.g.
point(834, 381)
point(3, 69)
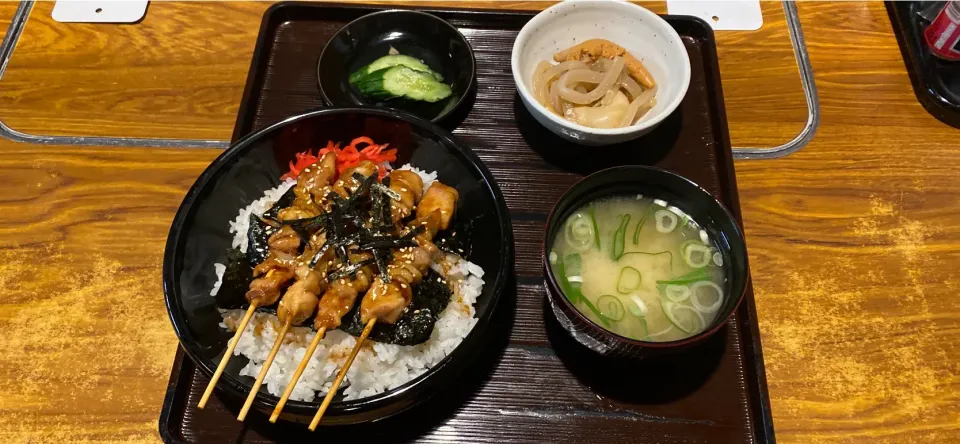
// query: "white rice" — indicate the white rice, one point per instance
point(378, 366)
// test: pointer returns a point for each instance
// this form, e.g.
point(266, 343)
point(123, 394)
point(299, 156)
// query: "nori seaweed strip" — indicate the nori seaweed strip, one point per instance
point(365, 183)
point(284, 201)
point(258, 236)
point(458, 239)
point(335, 233)
point(348, 270)
point(305, 226)
point(385, 189)
point(380, 242)
point(236, 280)
point(316, 257)
point(381, 221)
point(382, 249)
point(416, 323)
point(382, 261)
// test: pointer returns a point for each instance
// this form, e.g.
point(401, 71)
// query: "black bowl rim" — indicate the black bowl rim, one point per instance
point(643, 169)
point(381, 400)
point(439, 117)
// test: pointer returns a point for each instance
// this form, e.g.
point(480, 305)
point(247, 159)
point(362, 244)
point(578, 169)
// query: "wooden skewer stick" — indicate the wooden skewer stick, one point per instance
point(340, 376)
point(226, 355)
point(296, 375)
point(263, 371)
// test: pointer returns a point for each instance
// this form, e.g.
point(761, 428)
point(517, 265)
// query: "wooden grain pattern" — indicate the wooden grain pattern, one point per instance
point(180, 73)
point(853, 243)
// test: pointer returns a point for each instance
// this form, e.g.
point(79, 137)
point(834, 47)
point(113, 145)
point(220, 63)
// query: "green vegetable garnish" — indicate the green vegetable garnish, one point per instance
point(689, 278)
point(593, 220)
point(643, 220)
point(573, 264)
point(610, 307)
point(629, 280)
point(651, 254)
point(566, 268)
point(618, 238)
point(561, 274)
point(603, 319)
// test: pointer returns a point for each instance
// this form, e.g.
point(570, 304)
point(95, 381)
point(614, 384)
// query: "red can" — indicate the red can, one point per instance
point(943, 34)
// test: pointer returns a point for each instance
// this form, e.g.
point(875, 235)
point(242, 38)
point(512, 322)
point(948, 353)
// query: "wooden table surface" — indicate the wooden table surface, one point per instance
point(852, 239)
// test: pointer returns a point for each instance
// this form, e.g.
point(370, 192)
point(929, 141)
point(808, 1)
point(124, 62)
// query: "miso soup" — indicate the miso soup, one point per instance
point(639, 267)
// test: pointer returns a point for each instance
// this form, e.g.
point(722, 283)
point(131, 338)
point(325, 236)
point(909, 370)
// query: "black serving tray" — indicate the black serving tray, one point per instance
point(532, 383)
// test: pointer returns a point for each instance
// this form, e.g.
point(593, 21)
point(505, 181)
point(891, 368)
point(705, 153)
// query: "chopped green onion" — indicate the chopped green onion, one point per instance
point(573, 263)
point(643, 220)
point(661, 332)
point(695, 298)
point(666, 221)
point(596, 230)
point(694, 276)
point(646, 329)
point(690, 248)
point(651, 254)
point(559, 271)
point(718, 259)
point(578, 232)
point(567, 272)
point(593, 309)
point(629, 280)
point(672, 310)
point(676, 293)
point(611, 307)
point(553, 257)
point(639, 308)
point(618, 238)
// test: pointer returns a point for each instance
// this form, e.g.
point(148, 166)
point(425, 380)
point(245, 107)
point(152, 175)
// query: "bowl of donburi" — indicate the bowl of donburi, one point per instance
point(340, 265)
point(599, 72)
point(639, 260)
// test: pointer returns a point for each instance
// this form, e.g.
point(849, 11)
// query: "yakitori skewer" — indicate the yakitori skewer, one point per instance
point(263, 372)
point(342, 293)
point(336, 302)
point(297, 305)
point(341, 375)
point(297, 374)
point(390, 294)
point(272, 274)
point(232, 345)
point(301, 299)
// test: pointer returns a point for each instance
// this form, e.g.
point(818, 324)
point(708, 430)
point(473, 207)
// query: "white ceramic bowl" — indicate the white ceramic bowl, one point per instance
point(641, 32)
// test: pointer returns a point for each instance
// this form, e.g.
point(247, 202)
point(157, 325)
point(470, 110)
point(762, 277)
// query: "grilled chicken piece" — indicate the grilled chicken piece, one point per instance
point(285, 241)
point(409, 186)
point(300, 300)
point(299, 210)
point(387, 301)
point(265, 290)
point(314, 178)
point(274, 272)
point(341, 295)
point(410, 263)
point(442, 198)
point(346, 184)
point(312, 184)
